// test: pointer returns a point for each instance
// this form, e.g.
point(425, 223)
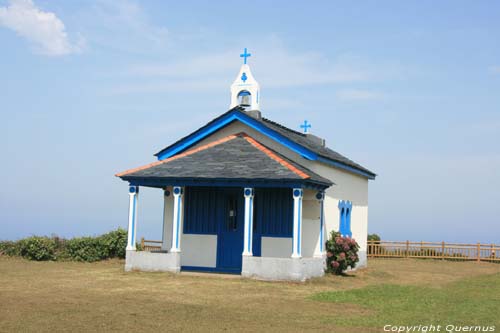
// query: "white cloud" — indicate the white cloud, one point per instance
point(43, 29)
point(359, 95)
point(495, 69)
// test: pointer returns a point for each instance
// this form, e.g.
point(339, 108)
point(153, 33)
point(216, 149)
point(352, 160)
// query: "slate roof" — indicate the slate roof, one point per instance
point(297, 137)
point(303, 140)
point(237, 156)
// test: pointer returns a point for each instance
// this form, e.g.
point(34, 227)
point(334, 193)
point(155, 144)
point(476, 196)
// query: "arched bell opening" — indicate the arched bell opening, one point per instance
point(244, 98)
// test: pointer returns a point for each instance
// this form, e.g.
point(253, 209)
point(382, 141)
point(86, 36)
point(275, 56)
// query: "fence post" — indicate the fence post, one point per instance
point(407, 248)
point(142, 243)
point(442, 250)
point(422, 248)
point(493, 255)
point(478, 252)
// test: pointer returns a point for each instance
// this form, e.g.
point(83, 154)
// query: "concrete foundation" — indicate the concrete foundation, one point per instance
point(362, 260)
point(282, 269)
point(262, 268)
point(152, 262)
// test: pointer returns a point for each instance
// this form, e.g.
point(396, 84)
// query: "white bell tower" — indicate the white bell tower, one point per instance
point(245, 90)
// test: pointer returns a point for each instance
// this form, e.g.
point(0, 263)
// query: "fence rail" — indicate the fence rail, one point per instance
point(150, 245)
point(407, 249)
point(434, 250)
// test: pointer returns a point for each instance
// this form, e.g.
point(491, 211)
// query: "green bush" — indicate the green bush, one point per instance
point(10, 248)
point(60, 252)
point(115, 243)
point(109, 245)
point(374, 237)
point(341, 253)
point(37, 248)
point(86, 249)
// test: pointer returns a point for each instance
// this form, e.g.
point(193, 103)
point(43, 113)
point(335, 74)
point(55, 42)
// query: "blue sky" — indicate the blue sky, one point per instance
point(409, 89)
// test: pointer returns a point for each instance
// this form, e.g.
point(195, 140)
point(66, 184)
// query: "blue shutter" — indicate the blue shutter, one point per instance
point(345, 209)
point(348, 219)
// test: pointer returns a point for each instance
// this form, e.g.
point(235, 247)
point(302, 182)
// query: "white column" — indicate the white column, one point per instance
point(177, 219)
point(248, 232)
point(168, 205)
point(297, 223)
point(133, 192)
point(321, 238)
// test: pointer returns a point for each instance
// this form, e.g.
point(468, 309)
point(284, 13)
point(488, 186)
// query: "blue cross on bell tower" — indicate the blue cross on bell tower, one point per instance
point(245, 55)
point(306, 126)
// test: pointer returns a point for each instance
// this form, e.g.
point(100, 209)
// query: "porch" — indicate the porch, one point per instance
point(264, 233)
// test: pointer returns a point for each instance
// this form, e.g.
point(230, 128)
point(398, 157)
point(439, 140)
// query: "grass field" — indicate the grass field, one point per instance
point(69, 296)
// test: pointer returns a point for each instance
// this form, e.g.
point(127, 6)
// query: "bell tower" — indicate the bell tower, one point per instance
point(245, 90)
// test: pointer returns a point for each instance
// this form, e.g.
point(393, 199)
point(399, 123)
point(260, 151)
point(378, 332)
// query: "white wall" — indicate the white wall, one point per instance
point(276, 247)
point(310, 237)
point(311, 210)
point(199, 250)
point(347, 187)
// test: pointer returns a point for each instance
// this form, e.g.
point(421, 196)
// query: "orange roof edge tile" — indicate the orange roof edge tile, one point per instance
point(251, 140)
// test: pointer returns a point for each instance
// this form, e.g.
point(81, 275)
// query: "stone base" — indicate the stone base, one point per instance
point(153, 261)
point(282, 269)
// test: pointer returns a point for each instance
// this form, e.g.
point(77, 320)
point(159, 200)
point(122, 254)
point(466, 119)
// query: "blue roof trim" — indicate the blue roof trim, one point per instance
point(235, 114)
point(346, 167)
point(226, 119)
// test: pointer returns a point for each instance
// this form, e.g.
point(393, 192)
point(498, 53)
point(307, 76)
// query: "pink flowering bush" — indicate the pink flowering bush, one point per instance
point(341, 253)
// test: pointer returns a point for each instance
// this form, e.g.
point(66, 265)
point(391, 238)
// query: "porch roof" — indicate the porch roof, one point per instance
point(234, 160)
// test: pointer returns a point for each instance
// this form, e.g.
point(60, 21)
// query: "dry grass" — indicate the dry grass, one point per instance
point(68, 296)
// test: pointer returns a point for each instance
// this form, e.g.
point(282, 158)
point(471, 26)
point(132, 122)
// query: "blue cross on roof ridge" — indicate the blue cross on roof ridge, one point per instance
point(245, 55)
point(306, 126)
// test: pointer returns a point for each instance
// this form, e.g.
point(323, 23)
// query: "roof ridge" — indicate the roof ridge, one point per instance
point(283, 127)
point(187, 153)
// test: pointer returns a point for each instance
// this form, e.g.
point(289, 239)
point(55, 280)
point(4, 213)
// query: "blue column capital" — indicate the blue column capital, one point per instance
point(132, 189)
point(177, 190)
point(248, 192)
point(298, 193)
point(320, 195)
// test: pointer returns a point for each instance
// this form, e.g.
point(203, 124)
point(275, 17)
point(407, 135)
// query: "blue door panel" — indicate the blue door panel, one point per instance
point(230, 237)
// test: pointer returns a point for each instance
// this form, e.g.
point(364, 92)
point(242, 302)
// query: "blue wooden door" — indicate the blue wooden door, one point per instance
point(230, 237)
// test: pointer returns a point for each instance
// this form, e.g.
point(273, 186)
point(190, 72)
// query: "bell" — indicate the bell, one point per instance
point(245, 100)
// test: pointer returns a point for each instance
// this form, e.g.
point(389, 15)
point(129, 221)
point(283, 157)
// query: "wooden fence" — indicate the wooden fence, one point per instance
point(407, 249)
point(150, 245)
point(434, 250)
